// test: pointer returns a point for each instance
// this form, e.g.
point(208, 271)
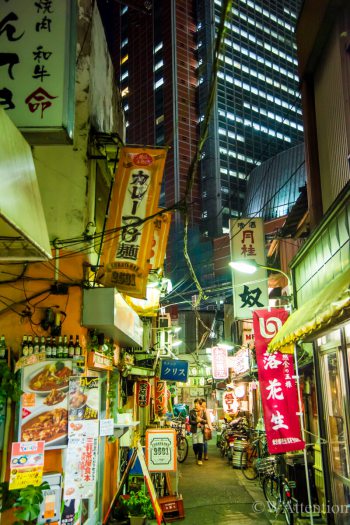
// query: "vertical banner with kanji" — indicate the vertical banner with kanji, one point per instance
point(247, 243)
point(125, 261)
point(143, 393)
point(278, 387)
point(219, 362)
point(160, 239)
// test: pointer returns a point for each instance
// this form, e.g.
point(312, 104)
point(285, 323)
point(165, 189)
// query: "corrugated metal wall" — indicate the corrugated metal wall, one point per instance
point(331, 126)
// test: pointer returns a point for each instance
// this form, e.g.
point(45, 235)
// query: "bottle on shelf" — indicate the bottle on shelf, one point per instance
point(53, 347)
point(30, 345)
point(36, 345)
point(24, 347)
point(48, 347)
point(65, 347)
point(60, 347)
point(71, 347)
point(3, 348)
point(42, 345)
point(77, 347)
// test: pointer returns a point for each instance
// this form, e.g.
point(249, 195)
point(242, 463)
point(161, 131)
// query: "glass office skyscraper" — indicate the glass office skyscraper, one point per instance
point(257, 109)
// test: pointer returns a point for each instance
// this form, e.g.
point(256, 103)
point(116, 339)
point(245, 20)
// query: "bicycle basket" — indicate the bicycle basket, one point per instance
point(266, 466)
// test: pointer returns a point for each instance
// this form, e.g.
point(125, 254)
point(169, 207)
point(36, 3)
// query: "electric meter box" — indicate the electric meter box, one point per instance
point(50, 508)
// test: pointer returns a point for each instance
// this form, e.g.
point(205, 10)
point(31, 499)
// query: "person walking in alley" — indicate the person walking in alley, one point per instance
point(208, 424)
point(197, 422)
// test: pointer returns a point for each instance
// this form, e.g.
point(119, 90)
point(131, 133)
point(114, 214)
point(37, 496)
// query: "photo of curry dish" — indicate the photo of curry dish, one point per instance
point(55, 375)
point(47, 426)
point(54, 397)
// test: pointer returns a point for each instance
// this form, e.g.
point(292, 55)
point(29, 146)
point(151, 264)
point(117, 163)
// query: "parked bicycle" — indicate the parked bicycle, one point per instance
point(179, 425)
point(253, 452)
point(278, 490)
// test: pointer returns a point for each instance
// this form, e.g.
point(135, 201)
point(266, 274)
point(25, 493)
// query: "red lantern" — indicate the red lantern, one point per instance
point(143, 393)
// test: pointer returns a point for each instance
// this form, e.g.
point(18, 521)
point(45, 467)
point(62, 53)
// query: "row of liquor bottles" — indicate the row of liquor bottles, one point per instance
point(52, 346)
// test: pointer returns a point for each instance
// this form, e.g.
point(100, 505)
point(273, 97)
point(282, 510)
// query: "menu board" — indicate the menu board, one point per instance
point(44, 403)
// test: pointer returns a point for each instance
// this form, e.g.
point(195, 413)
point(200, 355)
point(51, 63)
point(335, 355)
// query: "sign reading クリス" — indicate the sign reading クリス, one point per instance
point(277, 385)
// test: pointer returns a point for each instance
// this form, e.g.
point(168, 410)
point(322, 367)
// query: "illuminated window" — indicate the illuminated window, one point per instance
point(124, 59)
point(158, 65)
point(158, 47)
point(124, 75)
point(125, 92)
point(159, 83)
point(159, 119)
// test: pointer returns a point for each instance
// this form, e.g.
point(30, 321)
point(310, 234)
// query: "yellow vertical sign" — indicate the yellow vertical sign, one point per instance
point(129, 232)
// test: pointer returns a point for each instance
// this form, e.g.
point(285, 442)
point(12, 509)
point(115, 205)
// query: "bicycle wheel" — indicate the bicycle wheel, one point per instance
point(288, 509)
point(271, 492)
point(182, 449)
point(249, 457)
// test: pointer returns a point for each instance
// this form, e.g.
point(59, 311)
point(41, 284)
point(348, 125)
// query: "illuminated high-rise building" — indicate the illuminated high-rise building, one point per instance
point(164, 54)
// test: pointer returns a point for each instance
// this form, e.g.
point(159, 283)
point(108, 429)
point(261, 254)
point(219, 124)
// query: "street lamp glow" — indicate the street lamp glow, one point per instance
point(244, 266)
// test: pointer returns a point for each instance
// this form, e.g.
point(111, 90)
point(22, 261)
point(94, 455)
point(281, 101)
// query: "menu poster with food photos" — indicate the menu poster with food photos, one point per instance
point(83, 398)
point(44, 403)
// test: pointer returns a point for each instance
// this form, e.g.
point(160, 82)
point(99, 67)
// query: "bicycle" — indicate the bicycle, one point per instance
point(252, 453)
point(278, 490)
point(181, 440)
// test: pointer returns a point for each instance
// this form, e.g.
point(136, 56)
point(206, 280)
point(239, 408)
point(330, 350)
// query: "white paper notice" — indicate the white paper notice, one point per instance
point(106, 427)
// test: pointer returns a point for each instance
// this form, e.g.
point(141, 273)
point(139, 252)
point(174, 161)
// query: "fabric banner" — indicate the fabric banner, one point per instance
point(160, 239)
point(125, 261)
point(277, 385)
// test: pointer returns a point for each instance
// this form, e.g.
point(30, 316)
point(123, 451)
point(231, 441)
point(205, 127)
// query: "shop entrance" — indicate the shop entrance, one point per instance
point(334, 385)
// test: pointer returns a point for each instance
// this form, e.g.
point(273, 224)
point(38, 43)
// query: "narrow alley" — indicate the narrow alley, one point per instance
point(216, 493)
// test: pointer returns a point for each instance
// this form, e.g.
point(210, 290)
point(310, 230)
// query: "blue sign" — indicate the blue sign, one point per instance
point(174, 370)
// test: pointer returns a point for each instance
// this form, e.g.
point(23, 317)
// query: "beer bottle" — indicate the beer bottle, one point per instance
point(60, 347)
point(71, 347)
point(3, 348)
point(24, 349)
point(53, 347)
point(77, 347)
point(36, 345)
point(30, 345)
point(42, 344)
point(48, 347)
point(65, 347)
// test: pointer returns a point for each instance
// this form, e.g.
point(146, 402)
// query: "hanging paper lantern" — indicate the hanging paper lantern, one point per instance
point(143, 393)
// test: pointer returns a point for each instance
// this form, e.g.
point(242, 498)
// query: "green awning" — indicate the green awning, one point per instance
point(324, 307)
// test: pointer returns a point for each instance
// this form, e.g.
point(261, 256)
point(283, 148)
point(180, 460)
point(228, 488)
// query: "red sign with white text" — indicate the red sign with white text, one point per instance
point(143, 393)
point(277, 385)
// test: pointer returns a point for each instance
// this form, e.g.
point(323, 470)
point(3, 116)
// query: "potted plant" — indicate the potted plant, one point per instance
point(139, 507)
point(25, 502)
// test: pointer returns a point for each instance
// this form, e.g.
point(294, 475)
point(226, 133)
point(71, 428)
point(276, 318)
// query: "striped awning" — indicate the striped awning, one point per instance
point(314, 315)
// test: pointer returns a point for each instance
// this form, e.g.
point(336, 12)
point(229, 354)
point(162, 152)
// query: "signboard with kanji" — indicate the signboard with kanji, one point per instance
point(125, 260)
point(279, 394)
point(174, 370)
point(219, 362)
point(247, 244)
point(35, 39)
point(160, 450)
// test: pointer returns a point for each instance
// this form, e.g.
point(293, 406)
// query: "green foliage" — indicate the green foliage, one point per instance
point(9, 384)
point(26, 502)
point(139, 504)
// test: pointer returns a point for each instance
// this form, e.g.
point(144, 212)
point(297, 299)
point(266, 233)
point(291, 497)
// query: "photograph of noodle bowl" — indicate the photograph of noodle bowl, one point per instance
point(44, 378)
point(47, 425)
